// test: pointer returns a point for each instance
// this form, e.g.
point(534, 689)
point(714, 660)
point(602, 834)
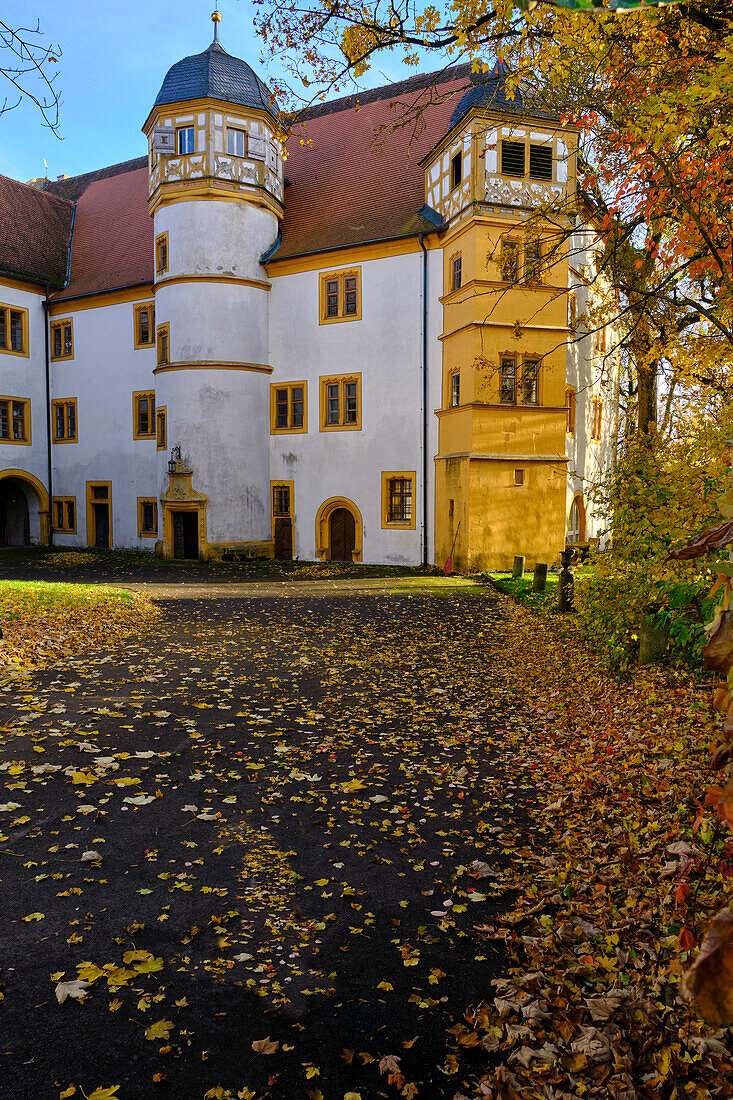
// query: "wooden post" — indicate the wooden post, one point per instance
point(539, 580)
point(518, 568)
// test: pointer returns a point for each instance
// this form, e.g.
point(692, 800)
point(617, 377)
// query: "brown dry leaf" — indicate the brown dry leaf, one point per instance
point(265, 1046)
point(709, 981)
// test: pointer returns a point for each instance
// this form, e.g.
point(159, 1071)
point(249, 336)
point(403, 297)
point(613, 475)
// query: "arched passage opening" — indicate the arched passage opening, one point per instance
point(24, 510)
point(339, 530)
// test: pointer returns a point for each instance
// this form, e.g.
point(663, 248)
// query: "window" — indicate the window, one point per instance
point(161, 431)
point(572, 312)
point(519, 479)
point(533, 261)
point(398, 496)
point(456, 267)
point(15, 420)
point(237, 142)
point(161, 253)
point(163, 340)
point(64, 514)
point(147, 517)
point(512, 158)
point(143, 415)
point(509, 261)
point(540, 162)
point(570, 410)
point(288, 407)
point(600, 340)
point(184, 139)
point(528, 386)
point(455, 389)
point(144, 315)
point(62, 339)
point(341, 403)
point(340, 296)
point(14, 330)
point(596, 419)
point(508, 380)
point(456, 170)
point(63, 413)
point(576, 521)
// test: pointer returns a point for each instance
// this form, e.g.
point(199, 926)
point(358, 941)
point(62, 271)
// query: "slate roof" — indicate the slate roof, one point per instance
point(34, 233)
point(215, 74)
point(491, 92)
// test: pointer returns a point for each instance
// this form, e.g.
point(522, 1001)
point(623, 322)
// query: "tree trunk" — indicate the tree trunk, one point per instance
point(647, 401)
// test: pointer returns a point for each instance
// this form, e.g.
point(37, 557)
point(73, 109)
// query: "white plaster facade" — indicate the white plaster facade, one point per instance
point(237, 327)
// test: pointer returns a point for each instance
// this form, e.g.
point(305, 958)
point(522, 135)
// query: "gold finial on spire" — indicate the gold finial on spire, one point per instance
point(216, 20)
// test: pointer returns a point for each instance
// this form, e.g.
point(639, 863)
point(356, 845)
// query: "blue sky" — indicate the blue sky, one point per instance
point(113, 58)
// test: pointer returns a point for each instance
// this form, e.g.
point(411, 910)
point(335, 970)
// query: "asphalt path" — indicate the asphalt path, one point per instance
point(267, 818)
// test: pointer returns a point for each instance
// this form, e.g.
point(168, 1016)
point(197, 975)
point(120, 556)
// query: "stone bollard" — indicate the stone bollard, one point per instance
point(518, 567)
point(653, 639)
point(566, 584)
point(539, 580)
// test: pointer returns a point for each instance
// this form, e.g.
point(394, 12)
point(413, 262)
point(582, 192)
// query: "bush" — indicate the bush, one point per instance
point(612, 599)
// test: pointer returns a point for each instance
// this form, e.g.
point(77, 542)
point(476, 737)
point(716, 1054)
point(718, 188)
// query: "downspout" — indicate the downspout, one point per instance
point(424, 401)
point(48, 418)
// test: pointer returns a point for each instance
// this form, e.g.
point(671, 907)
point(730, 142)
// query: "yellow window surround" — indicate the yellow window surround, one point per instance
point(147, 517)
point(288, 408)
point(161, 427)
point(398, 500)
point(144, 325)
point(282, 497)
point(64, 515)
point(15, 420)
point(163, 342)
point(161, 253)
point(340, 403)
point(572, 311)
point(143, 414)
point(14, 330)
point(62, 339)
point(339, 295)
point(64, 420)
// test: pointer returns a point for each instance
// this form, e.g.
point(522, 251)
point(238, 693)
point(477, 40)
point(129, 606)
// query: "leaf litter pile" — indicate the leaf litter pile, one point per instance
point(352, 848)
point(42, 623)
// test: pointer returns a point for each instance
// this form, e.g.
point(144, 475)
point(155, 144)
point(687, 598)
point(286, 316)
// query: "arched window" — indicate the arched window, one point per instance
point(576, 522)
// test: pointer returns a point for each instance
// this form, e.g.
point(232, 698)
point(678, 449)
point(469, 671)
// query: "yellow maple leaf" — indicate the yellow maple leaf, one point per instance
point(109, 1093)
point(161, 1029)
point(67, 1092)
point(352, 785)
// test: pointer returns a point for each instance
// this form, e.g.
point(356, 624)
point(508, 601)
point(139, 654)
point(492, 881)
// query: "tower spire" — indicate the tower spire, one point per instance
point(216, 20)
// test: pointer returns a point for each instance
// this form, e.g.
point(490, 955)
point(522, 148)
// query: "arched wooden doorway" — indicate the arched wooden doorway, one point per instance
point(342, 535)
point(24, 511)
point(339, 530)
point(576, 521)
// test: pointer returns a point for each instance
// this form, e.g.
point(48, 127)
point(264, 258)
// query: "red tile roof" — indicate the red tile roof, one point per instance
point(355, 178)
point(34, 233)
point(113, 236)
point(359, 179)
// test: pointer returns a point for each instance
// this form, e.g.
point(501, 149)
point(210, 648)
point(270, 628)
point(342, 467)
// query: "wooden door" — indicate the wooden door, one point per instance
point(343, 535)
point(284, 538)
point(101, 526)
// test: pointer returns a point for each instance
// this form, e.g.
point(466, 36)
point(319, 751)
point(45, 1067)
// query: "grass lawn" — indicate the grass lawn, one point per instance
point(18, 598)
point(521, 590)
